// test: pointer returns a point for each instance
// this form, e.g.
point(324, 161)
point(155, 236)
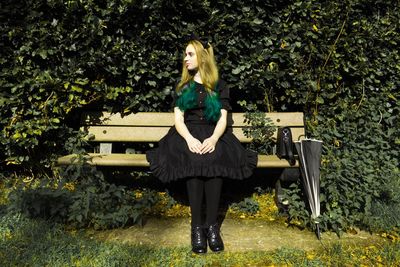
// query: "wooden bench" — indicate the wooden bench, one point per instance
point(149, 127)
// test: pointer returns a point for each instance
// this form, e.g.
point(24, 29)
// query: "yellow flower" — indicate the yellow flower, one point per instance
point(315, 28)
point(8, 235)
point(310, 256)
point(69, 186)
point(283, 44)
point(337, 143)
point(138, 194)
point(379, 258)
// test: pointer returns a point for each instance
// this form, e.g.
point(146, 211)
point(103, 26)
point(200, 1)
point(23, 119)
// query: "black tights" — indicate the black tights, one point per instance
point(196, 187)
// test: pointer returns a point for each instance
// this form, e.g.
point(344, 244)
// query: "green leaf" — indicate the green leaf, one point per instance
point(236, 70)
point(43, 54)
point(320, 100)
point(75, 88)
point(258, 21)
point(152, 83)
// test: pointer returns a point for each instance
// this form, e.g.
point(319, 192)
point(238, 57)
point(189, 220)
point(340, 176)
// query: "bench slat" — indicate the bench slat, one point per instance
point(167, 119)
point(153, 134)
point(138, 119)
point(139, 160)
point(152, 126)
point(278, 118)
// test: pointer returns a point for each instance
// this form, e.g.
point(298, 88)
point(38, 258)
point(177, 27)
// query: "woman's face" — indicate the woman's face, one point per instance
point(191, 58)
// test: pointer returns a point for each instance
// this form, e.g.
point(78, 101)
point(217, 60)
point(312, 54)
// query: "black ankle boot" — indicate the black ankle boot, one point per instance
point(214, 238)
point(199, 240)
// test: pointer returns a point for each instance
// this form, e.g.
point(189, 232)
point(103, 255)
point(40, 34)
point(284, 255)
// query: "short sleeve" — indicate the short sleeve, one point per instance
point(174, 95)
point(224, 95)
point(174, 98)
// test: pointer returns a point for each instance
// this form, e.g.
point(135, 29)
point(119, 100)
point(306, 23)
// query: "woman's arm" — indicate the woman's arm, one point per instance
point(210, 143)
point(194, 144)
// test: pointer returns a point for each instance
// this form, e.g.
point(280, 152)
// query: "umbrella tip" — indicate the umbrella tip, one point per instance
point(317, 231)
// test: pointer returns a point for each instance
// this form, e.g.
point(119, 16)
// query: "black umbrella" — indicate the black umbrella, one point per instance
point(310, 151)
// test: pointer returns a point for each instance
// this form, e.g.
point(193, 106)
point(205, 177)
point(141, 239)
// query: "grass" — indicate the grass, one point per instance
point(35, 242)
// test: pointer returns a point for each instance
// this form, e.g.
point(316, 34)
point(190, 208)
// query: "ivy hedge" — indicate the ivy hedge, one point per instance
point(337, 61)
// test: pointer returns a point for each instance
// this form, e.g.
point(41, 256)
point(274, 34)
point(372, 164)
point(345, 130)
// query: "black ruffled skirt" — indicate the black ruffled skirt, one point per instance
point(172, 160)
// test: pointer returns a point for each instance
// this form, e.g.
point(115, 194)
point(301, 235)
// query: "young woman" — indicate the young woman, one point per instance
point(198, 148)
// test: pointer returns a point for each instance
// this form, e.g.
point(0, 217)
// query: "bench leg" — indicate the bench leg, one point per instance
point(288, 175)
point(105, 148)
point(280, 202)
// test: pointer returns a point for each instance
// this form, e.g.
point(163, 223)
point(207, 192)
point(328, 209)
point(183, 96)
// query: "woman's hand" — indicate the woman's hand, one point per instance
point(194, 145)
point(208, 145)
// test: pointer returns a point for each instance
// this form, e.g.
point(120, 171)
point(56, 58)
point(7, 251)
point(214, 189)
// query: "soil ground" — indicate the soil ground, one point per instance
point(238, 235)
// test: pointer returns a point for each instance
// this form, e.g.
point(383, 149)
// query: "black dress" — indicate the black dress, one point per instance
point(172, 159)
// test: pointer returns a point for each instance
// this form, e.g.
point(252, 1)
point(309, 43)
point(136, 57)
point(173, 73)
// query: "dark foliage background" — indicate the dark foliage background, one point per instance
point(337, 61)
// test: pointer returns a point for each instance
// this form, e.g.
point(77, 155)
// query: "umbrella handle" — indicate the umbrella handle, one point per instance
point(300, 136)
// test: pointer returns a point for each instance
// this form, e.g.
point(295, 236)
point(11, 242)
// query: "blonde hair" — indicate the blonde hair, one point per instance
point(207, 67)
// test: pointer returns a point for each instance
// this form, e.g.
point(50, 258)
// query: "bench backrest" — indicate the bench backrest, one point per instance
point(152, 126)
